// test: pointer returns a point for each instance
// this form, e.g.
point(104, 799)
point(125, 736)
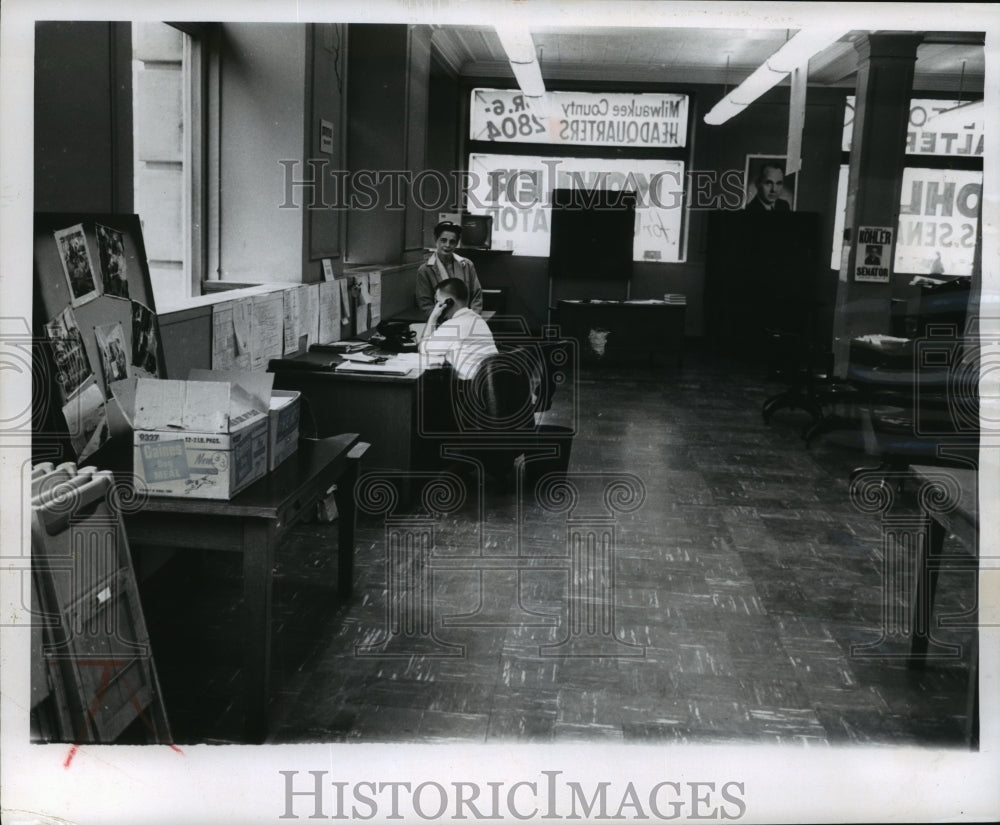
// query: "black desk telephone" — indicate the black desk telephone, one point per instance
point(394, 336)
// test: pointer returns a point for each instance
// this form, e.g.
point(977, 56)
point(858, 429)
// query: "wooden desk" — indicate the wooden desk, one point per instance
point(962, 522)
point(636, 331)
point(382, 409)
point(252, 524)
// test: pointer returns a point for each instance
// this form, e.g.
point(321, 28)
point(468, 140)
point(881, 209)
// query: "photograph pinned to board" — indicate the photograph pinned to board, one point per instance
point(77, 266)
point(145, 343)
point(87, 420)
point(752, 169)
point(111, 253)
point(111, 346)
point(68, 352)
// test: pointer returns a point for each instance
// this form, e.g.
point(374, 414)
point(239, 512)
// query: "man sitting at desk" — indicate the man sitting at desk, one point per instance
point(443, 264)
point(454, 334)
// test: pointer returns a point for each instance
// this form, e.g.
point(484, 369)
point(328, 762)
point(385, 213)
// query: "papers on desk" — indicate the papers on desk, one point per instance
point(878, 340)
point(387, 368)
point(401, 364)
point(339, 346)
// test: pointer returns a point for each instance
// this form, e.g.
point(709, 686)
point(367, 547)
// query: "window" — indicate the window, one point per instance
point(616, 141)
point(166, 100)
point(940, 198)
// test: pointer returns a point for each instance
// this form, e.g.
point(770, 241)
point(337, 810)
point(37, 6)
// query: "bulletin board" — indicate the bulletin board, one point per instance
point(95, 317)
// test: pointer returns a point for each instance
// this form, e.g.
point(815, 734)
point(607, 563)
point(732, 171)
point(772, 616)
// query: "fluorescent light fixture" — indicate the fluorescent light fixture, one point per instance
point(529, 78)
point(520, 50)
point(794, 54)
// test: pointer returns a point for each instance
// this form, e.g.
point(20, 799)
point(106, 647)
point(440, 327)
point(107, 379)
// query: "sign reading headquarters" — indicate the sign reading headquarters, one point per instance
point(580, 118)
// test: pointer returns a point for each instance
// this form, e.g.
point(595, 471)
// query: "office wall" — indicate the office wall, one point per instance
point(262, 104)
point(326, 93)
point(83, 117)
point(387, 77)
point(442, 145)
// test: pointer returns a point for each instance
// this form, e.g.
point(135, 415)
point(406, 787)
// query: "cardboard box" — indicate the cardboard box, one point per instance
point(198, 439)
point(282, 407)
point(283, 426)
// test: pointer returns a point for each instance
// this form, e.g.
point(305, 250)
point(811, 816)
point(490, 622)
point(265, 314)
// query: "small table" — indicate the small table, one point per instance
point(622, 331)
point(962, 522)
point(253, 523)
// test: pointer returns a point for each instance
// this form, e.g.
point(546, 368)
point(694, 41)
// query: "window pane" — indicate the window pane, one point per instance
point(937, 127)
point(937, 221)
point(517, 191)
point(159, 80)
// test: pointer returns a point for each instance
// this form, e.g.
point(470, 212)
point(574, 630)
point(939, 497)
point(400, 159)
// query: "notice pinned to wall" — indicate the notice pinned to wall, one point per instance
point(223, 337)
point(873, 262)
point(329, 312)
point(266, 329)
point(291, 321)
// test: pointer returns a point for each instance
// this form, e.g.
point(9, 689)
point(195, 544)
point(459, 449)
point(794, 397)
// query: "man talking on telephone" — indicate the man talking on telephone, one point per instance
point(454, 334)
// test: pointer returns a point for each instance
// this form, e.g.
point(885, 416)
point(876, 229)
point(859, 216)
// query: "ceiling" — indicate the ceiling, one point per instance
point(946, 61)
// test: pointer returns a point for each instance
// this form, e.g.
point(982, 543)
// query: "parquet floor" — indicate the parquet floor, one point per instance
point(735, 593)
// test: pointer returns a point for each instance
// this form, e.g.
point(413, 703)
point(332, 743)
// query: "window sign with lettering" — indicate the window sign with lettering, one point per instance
point(516, 190)
point(938, 214)
point(924, 135)
point(648, 120)
point(938, 221)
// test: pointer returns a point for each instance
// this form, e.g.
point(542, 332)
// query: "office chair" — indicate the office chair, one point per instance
point(492, 419)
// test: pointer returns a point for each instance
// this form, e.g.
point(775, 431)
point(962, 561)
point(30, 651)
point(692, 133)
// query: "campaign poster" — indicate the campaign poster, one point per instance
point(873, 261)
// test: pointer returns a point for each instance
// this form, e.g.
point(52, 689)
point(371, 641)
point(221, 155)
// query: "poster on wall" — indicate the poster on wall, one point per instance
point(874, 256)
point(774, 166)
point(516, 190)
point(111, 253)
point(77, 266)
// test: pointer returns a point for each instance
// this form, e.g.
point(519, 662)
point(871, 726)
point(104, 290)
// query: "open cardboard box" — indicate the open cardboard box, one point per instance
point(198, 439)
point(283, 408)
